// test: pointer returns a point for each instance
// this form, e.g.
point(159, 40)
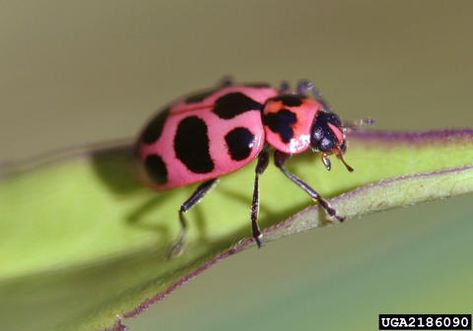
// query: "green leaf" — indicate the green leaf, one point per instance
point(82, 241)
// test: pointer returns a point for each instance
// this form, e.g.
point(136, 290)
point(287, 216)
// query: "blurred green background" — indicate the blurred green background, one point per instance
point(82, 72)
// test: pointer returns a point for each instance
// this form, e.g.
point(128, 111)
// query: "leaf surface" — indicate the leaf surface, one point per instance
point(82, 240)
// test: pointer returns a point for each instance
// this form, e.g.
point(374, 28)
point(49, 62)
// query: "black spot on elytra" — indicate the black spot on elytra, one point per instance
point(322, 137)
point(240, 143)
point(156, 169)
point(290, 100)
point(191, 145)
point(234, 104)
point(153, 130)
point(281, 123)
point(257, 85)
point(198, 97)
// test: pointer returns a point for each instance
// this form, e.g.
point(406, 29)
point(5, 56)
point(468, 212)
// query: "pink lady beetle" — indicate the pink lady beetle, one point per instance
point(207, 135)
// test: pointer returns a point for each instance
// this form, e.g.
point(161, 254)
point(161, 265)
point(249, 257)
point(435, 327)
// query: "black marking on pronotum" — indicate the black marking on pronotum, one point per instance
point(198, 97)
point(153, 130)
point(234, 104)
point(290, 100)
point(240, 142)
point(191, 145)
point(322, 137)
point(156, 169)
point(281, 123)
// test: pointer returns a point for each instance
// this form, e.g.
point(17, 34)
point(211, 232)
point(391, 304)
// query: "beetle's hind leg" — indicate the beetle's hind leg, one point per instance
point(194, 199)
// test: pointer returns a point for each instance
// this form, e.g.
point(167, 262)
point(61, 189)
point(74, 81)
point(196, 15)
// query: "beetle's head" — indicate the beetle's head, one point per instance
point(327, 137)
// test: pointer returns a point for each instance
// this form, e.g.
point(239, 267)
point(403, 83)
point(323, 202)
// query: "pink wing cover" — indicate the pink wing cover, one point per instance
point(177, 173)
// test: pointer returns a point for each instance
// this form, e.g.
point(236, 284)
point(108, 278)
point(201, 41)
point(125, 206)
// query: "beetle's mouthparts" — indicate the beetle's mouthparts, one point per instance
point(326, 161)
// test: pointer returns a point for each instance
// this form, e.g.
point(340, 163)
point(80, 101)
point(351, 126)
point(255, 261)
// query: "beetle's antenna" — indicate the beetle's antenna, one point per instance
point(357, 124)
point(340, 157)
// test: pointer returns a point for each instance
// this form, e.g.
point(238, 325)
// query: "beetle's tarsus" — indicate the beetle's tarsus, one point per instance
point(178, 247)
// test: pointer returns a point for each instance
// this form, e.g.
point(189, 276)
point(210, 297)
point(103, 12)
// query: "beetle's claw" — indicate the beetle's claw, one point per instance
point(178, 247)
